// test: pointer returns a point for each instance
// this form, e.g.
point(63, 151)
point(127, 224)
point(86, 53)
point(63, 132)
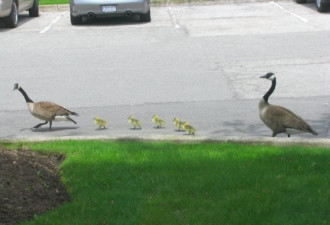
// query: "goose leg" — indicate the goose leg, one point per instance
point(50, 125)
point(288, 135)
point(37, 126)
point(71, 120)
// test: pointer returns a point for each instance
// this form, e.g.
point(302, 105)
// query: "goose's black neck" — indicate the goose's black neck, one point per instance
point(27, 99)
point(270, 91)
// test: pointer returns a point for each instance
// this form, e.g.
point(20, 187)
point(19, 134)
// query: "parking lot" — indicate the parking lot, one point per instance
point(201, 63)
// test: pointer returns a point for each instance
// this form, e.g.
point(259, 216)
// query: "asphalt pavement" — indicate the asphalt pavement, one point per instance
point(200, 63)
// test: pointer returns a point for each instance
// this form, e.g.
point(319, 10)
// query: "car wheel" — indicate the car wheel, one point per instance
point(11, 21)
point(34, 11)
point(320, 6)
point(145, 17)
point(75, 20)
point(301, 1)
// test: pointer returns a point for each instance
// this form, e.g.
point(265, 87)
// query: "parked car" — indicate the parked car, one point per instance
point(321, 5)
point(9, 10)
point(108, 8)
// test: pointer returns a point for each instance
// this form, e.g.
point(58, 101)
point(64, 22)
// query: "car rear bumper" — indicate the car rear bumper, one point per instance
point(85, 7)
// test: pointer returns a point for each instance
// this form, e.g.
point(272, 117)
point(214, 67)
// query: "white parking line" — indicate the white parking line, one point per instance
point(288, 11)
point(172, 15)
point(47, 28)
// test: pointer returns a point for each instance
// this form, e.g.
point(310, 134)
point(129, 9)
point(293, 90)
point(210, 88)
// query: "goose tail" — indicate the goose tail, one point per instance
point(74, 113)
point(313, 131)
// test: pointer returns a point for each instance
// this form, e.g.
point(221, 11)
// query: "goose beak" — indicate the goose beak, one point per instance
point(15, 87)
point(264, 76)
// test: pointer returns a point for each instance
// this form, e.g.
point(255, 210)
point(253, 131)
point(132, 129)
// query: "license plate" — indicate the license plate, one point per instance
point(109, 8)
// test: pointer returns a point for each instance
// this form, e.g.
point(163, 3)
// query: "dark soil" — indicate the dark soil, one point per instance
point(29, 184)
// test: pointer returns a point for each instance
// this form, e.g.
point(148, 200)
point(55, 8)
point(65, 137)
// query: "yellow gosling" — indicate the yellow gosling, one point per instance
point(159, 122)
point(134, 122)
point(100, 122)
point(178, 123)
point(190, 129)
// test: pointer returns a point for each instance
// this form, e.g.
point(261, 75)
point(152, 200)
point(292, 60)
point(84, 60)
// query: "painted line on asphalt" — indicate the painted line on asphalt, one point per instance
point(288, 11)
point(172, 15)
point(49, 26)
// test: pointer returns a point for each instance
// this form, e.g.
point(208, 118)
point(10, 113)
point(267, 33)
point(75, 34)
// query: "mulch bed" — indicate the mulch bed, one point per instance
point(29, 184)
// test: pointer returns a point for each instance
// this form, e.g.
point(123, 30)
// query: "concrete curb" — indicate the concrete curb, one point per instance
point(318, 142)
point(55, 7)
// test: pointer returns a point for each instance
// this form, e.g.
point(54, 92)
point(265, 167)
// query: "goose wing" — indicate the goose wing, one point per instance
point(289, 119)
point(51, 109)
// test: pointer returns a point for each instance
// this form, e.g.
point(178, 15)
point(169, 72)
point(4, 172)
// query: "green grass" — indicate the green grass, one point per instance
point(53, 2)
point(167, 183)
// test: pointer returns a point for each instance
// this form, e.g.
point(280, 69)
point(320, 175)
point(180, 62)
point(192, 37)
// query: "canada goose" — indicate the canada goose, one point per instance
point(159, 122)
point(190, 129)
point(280, 119)
point(135, 122)
point(100, 122)
point(46, 111)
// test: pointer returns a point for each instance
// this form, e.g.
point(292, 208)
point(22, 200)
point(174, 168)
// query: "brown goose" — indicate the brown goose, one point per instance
point(280, 119)
point(46, 111)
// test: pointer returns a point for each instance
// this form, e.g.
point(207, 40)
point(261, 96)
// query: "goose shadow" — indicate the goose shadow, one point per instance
point(100, 129)
point(159, 128)
point(132, 128)
point(54, 129)
point(186, 134)
point(177, 130)
point(239, 127)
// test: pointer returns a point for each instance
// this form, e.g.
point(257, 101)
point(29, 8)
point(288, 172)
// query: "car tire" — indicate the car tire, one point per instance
point(301, 1)
point(11, 20)
point(321, 7)
point(75, 20)
point(145, 17)
point(34, 11)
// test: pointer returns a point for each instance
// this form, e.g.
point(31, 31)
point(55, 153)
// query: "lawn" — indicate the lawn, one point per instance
point(53, 2)
point(171, 183)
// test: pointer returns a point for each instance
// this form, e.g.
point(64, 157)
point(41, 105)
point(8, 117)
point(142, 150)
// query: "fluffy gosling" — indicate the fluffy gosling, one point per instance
point(178, 123)
point(100, 122)
point(190, 129)
point(134, 122)
point(159, 122)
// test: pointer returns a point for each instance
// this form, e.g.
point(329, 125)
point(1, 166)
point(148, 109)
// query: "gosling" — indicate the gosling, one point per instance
point(190, 129)
point(100, 122)
point(159, 122)
point(178, 123)
point(134, 122)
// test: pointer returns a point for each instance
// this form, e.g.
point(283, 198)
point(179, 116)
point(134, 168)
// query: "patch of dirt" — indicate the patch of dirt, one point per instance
point(29, 184)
